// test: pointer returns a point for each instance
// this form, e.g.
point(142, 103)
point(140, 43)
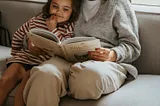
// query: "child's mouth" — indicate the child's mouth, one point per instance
point(56, 15)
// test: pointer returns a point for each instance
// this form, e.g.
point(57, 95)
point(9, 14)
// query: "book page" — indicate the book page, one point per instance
point(78, 51)
point(45, 34)
point(45, 44)
point(77, 39)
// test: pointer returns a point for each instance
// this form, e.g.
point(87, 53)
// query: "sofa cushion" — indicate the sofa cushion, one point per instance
point(144, 91)
point(17, 12)
point(149, 60)
point(4, 54)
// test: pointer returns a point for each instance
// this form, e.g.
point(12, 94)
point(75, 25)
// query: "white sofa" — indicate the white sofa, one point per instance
point(144, 91)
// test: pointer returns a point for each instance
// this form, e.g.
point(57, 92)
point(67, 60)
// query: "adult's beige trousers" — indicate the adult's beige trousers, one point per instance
point(87, 80)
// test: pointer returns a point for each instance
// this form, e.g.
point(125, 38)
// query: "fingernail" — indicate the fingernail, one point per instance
point(32, 44)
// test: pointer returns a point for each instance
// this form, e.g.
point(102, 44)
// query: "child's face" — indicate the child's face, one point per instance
point(62, 9)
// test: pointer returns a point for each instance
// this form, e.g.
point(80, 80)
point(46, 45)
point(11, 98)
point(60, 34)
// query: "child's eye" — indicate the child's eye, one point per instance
point(55, 6)
point(66, 9)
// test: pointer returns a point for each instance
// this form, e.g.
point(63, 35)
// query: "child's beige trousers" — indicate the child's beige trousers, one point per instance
point(88, 80)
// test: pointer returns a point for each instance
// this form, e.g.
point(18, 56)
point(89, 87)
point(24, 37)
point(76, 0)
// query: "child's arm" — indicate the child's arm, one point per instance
point(18, 37)
point(35, 50)
point(64, 32)
point(18, 101)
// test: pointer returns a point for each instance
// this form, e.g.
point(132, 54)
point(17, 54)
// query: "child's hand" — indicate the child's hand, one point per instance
point(35, 50)
point(51, 22)
point(102, 54)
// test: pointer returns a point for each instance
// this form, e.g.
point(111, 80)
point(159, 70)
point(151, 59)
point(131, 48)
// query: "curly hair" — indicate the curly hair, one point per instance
point(76, 4)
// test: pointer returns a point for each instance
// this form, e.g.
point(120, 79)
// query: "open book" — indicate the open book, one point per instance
point(72, 49)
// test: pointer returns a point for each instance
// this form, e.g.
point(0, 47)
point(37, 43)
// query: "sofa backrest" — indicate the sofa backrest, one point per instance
point(149, 32)
point(16, 12)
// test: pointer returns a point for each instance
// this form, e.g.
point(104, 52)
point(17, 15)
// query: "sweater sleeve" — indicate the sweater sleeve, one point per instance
point(64, 32)
point(17, 41)
point(125, 23)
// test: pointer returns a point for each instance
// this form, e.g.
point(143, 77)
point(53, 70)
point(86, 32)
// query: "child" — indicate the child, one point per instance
point(58, 17)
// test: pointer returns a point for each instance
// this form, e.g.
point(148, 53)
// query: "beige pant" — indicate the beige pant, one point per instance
point(87, 80)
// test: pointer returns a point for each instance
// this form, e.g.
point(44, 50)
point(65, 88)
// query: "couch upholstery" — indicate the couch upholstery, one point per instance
point(141, 92)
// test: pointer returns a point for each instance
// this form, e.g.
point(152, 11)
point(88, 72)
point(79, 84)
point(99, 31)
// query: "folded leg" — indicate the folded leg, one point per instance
point(91, 79)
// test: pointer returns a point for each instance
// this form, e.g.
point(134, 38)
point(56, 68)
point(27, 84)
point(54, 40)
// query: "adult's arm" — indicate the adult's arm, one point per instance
point(126, 25)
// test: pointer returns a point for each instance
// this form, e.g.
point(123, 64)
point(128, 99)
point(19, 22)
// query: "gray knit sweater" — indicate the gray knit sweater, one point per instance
point(116, 26)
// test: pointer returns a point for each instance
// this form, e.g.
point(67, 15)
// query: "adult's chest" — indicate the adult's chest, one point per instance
point(101, 27)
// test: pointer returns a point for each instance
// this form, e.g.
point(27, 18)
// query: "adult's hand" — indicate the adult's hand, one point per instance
point(102, 54)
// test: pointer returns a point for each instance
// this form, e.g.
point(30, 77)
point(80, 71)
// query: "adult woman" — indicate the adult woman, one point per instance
point(115, 24)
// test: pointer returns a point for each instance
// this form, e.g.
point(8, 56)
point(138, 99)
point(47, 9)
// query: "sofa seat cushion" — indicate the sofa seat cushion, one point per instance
point(4, 54)
point(144, 91)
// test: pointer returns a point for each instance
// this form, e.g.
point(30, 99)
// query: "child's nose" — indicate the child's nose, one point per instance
point(58, 11)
